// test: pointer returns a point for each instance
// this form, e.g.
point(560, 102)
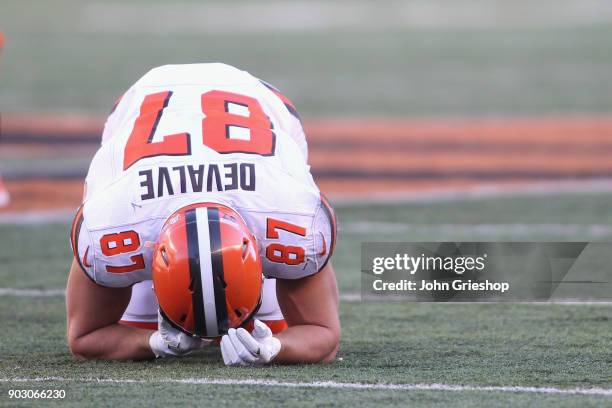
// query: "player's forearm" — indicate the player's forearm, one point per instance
point(308, 344)
point(114, 342)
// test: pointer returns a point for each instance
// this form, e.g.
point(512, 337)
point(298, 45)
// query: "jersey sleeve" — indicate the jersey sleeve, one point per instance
point(115, 257)
point(79, 240)
point(296, 246)
point(328, 229)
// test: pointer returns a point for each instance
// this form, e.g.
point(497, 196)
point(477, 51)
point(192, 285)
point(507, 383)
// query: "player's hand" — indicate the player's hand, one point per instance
point(241, 348)
point(168, 341)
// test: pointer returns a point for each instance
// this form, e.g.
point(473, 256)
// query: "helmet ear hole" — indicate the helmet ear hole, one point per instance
point(191, 285)
point(164, 255)
point(238, 312)
point(245, 248)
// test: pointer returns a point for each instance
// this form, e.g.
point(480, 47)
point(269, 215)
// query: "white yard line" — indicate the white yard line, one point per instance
point(37, 216)
point(517, 229)
point(329, 384)
point(25, 293)
point(480, 192)
point(366, 227)
point(349, 297)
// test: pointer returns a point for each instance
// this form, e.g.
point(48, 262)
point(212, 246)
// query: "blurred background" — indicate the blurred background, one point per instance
point(427, 120)
point(397, 97)
point(335, 58)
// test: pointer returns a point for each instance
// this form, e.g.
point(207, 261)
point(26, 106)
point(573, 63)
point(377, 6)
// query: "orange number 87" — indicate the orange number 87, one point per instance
point(257, 136)
point(121, 243)
point(287, 254)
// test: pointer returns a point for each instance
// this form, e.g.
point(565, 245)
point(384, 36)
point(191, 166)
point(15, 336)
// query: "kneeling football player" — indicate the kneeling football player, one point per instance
point(201, 221)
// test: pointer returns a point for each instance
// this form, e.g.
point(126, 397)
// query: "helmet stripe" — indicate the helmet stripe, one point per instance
point(216, 251)
point(193, 249)
point(206, 273)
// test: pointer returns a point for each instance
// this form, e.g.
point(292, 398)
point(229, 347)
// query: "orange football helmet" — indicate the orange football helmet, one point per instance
point(207, 272)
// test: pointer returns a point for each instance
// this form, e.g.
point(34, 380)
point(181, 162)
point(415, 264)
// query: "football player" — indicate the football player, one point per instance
point(200, 189)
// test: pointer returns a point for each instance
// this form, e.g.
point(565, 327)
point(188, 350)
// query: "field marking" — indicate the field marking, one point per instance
point(349, 297)
point(359, 227)
point(34, 217)
point(332, 384)
point(481, 192)
point(27, 293)
point(582, 230)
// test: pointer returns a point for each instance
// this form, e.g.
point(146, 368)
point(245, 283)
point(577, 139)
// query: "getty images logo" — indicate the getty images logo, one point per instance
point(412, 264)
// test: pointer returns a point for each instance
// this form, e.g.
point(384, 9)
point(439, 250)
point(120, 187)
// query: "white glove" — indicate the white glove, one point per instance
point(239, 348)
point(168, 341)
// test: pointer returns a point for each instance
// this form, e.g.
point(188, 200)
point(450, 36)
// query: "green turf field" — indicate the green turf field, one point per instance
point(389, 58)
point(423, 58)
point(560, 346)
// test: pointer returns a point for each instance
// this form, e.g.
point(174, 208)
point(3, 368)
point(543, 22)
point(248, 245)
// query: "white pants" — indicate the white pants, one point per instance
point(143, 303)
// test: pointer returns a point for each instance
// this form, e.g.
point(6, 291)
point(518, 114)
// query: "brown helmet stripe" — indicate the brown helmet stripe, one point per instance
point(216, 254)
point(195, 285)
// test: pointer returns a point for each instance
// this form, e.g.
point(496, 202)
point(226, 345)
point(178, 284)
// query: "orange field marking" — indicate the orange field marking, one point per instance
point(43, 194)
point(360, 157)
point(572, 130)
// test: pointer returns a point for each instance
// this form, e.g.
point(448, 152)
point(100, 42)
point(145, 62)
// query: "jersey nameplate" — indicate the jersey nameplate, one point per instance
point(166, 181)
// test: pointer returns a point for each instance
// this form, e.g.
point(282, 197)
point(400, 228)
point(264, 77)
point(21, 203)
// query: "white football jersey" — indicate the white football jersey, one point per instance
point(184, 134)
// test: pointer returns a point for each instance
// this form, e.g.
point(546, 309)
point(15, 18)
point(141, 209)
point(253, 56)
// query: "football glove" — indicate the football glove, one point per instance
point(241, 348)
point(168, 341)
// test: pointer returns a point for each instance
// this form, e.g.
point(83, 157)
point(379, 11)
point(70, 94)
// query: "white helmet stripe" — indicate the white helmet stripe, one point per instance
point(206, 271)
